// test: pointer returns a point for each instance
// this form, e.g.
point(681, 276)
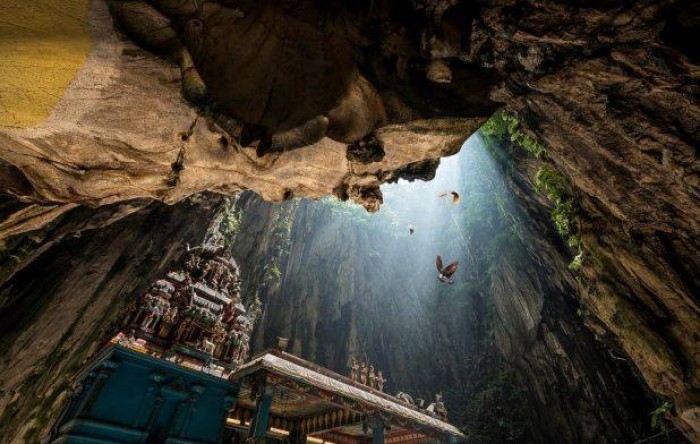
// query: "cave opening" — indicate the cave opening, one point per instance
point(297, 167)
point(344, 283)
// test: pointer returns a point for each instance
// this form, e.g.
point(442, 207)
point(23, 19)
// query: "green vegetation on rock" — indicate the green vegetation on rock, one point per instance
point(658, 415)
point(506, 123)
point(282, 234)
point(505, 126)
point(564, 213)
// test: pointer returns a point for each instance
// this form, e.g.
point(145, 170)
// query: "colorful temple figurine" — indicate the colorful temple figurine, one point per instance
point(371, 377)
point(354, 369)
point(380, 381)
point(363, 373)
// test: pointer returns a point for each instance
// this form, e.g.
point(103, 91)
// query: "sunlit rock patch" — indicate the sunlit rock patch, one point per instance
point(43, 44)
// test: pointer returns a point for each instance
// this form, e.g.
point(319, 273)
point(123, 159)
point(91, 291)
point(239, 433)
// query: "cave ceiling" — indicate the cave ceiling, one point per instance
point(180, 97)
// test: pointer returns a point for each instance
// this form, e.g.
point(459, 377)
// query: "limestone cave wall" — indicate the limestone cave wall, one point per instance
point(62, 292)
point(609, 87)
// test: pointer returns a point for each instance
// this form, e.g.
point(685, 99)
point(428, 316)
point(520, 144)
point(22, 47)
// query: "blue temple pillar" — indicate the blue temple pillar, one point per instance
point(258, 427)
point(97, 381)
point(185, 410)
point(378, 426)
point(149, 400)
point(229, 401)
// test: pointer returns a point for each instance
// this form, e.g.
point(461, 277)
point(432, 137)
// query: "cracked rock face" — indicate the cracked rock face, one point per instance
point(614, 100)
point(124, 131)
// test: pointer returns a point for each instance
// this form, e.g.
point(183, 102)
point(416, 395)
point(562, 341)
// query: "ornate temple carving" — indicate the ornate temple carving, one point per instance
point(196, 311)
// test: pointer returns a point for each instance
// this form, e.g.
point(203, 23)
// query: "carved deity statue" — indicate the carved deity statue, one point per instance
point(380, 381)
point(371, 377)
point(208, 346)
point(150, 310)
point(363, 373)
point(354, 369)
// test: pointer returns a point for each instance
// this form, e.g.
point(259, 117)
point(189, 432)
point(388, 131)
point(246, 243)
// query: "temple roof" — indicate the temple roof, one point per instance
point(211, 293)
point(309, 374)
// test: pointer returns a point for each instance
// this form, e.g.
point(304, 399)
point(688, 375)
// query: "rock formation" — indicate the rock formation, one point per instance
point(363, 294)
point(123, 131)
point(62, 295)
point(223, 95)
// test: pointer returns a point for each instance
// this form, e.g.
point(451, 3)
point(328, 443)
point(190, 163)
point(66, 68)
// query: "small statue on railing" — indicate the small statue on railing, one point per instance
point(354, 369)
point(365, 374)
point(438, 408)
point(380, 381)
point(405, 397)
point(282, 343)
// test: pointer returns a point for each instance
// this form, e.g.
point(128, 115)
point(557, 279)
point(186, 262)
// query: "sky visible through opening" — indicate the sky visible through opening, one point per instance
point(358, 284)
point(442, 227)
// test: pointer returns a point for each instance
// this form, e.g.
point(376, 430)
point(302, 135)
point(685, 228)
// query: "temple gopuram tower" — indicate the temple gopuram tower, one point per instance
point(195, 316)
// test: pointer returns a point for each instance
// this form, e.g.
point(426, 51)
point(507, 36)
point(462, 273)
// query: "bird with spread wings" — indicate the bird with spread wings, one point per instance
point(445, 275)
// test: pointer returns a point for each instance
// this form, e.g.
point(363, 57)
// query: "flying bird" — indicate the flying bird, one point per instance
point(411, 228)
point(455, 196)
point(446, 272)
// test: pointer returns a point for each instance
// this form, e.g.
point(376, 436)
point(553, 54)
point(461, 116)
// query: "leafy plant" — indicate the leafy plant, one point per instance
point(226, 223)
point(506, 123)
point(348, 209)
point(282, 240)
point(657, 416)
point(576, 263)
point(273, 273)
point(564, 213)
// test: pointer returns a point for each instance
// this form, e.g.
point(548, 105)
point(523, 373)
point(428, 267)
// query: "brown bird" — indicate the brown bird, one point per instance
point(455, 196)
point(411, 228)
point(446, 272)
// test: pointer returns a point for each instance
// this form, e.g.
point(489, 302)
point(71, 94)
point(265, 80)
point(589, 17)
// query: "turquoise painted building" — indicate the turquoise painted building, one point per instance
point(129, 394)
point(130, 397)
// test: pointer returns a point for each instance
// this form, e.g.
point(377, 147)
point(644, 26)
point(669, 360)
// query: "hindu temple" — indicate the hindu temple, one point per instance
point(180, 372)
